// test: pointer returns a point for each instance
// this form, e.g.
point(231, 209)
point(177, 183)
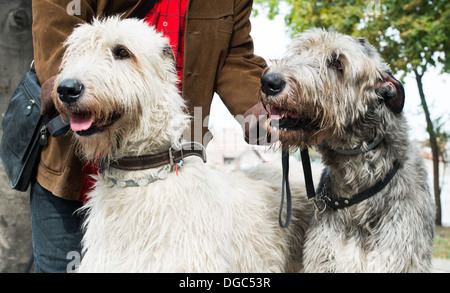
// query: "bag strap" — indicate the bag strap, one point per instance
point(56, 127)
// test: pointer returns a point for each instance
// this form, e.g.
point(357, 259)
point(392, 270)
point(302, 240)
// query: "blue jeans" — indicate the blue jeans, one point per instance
point(56, 231)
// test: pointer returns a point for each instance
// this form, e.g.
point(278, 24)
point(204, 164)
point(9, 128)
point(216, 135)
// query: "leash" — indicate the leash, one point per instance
point(307, 172)
point(285, 182)
point(323, 201)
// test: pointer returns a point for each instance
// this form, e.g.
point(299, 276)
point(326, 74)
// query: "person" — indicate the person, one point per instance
point(214, 53)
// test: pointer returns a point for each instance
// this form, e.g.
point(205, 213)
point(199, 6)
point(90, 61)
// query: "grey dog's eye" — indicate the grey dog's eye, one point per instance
point(121, 52)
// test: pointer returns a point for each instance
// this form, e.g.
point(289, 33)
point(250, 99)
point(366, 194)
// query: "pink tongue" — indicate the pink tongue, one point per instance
point(80, 122)
point(276, 114)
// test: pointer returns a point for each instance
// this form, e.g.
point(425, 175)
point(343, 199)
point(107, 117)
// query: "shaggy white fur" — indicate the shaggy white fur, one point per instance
point(200, 220)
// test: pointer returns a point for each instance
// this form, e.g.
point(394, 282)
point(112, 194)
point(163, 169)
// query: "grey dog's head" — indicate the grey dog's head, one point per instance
point(326, 82)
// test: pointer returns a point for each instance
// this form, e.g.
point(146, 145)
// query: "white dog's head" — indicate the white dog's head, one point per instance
point(117, 87)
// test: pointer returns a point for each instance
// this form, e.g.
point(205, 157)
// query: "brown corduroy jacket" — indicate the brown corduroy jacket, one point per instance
point(218, 58)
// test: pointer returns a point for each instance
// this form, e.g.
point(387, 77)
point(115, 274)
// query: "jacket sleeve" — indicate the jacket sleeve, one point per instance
point(239, 80)
point(53, 21)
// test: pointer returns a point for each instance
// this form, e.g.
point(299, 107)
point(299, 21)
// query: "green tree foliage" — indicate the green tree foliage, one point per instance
point(411, 35)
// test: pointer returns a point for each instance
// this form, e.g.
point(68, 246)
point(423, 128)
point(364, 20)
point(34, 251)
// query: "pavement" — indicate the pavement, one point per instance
point(440, 266)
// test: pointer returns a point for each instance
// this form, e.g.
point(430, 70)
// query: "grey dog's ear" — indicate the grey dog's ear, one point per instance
point(392, 92)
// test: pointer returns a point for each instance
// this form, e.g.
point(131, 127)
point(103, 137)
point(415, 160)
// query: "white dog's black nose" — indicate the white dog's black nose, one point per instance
point(272, 84)
point(69, 90)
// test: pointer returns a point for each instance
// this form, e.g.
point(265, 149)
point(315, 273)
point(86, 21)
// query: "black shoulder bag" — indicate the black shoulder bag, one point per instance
point(25, 132)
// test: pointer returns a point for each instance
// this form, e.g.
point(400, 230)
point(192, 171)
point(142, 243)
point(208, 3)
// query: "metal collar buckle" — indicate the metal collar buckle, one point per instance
point(196, 145)
point(186, 147)
point(171, 162)
point(319, 207)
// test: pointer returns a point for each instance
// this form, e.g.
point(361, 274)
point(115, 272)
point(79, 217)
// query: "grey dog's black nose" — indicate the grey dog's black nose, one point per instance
point(69, 90)
point(272, 84)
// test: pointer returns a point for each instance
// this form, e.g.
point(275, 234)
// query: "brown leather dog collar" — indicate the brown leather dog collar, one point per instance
point(169, 157)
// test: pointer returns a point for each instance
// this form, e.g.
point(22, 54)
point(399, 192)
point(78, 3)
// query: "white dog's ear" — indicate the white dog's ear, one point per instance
point(392, 92)
point(168, 52)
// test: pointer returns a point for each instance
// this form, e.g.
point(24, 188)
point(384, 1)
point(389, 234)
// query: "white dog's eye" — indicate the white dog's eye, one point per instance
point(121, 52)
point(336, 63)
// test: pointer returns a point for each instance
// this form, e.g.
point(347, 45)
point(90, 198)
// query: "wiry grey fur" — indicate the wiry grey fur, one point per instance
point(351, 103)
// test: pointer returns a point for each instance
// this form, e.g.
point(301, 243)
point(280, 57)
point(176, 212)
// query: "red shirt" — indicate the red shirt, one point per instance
point(169, 18)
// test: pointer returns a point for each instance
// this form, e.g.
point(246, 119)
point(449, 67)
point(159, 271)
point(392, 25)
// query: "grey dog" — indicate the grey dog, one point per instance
point(374, 212)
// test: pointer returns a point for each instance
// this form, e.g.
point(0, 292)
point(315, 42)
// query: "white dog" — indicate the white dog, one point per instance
point(117, 86)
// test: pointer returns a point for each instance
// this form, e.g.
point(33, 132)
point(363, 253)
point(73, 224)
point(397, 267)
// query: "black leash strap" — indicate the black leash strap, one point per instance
point(307, 173)
point(306, 162)
point(285, 182)
point(321, 203)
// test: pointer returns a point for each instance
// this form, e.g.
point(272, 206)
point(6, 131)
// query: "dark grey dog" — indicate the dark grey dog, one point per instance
point(374, 212)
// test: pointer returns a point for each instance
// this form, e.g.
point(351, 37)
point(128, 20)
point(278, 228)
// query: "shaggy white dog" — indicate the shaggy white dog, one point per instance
point(117, 86)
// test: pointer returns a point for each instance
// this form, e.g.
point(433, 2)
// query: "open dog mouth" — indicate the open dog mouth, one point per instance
point(285, 120)
point(86, 123)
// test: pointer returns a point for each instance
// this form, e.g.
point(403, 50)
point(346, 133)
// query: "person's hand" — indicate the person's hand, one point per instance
point(256, 128)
